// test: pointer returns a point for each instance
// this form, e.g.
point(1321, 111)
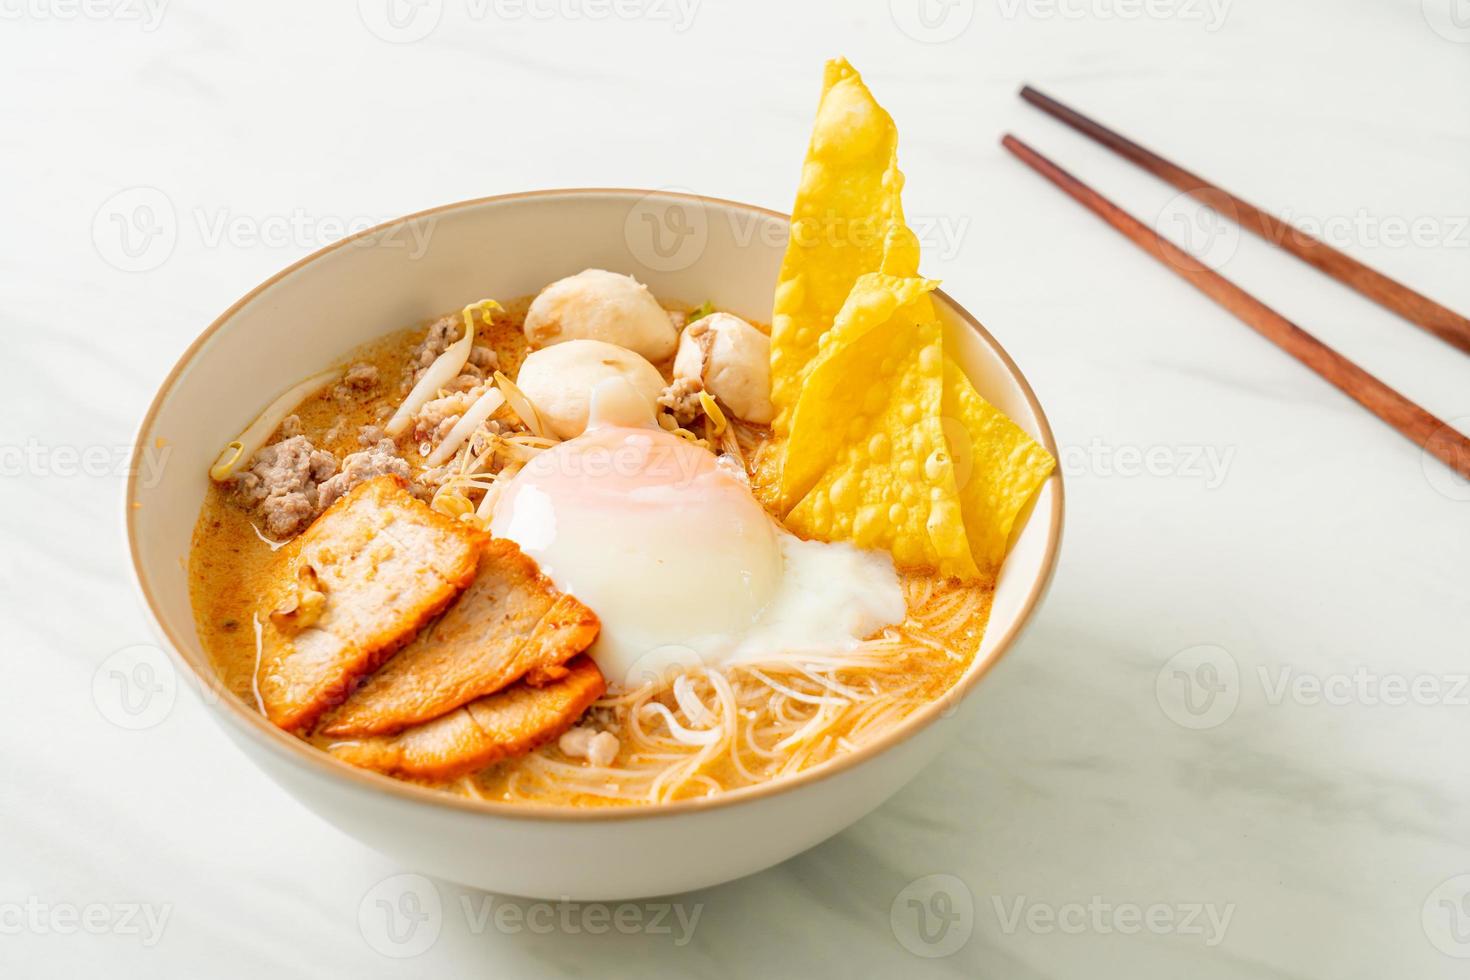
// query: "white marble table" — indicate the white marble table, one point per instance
point(1233, 520)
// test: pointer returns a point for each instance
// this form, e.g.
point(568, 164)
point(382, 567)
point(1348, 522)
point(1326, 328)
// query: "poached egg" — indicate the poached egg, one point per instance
point(666, 543)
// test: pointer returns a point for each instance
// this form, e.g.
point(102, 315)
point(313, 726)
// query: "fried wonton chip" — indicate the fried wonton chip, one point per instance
point(998, 467)
point(825, 404)
point(879, 436)
point(892, 484)
point(847, 221)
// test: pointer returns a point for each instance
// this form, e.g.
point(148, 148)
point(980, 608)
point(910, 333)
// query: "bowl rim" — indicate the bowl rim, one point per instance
point(303, 755)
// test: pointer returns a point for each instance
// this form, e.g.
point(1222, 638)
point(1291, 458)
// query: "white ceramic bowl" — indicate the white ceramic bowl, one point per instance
point(308, 317)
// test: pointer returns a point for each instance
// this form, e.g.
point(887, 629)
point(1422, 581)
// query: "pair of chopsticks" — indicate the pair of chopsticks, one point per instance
point(1420, 427)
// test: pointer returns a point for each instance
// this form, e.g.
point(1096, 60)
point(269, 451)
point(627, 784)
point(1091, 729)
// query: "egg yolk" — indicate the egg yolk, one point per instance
point(666, 544)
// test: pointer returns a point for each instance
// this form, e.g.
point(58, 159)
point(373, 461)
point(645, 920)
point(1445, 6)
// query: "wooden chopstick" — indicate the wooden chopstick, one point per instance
point(1418, 309)
point(1420, 427)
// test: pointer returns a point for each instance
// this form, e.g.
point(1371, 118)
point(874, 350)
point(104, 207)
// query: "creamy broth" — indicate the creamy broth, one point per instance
point(779, 718)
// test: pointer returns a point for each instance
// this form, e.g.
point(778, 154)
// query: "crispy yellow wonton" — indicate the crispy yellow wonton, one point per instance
point(847, 218)
point(828, 398)
point(998, 467)
point(892, 482)
point(881, 438)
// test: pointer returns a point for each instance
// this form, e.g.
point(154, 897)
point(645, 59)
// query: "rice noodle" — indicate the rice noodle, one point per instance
point(692, 707)
point(794, 695)
point(238, 451)
point(688, 736)
point(708, 730)
point(832, 685)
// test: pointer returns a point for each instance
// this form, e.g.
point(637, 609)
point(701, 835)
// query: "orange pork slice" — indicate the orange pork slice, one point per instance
point(353, 588)
point(511, 622)
point(508, 723)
